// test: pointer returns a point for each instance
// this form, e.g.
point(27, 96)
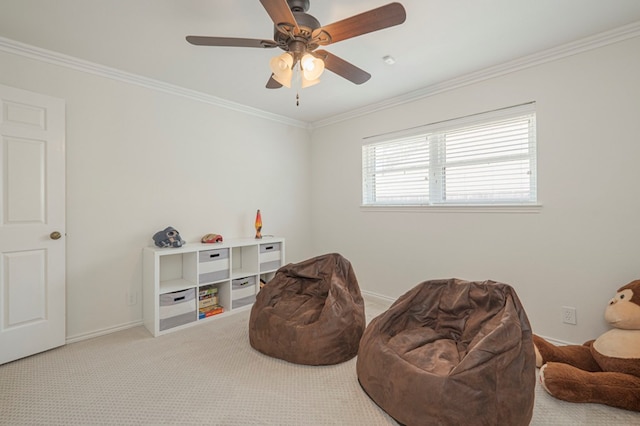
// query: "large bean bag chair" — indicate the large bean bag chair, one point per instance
point(310, 313)
point(451, 352)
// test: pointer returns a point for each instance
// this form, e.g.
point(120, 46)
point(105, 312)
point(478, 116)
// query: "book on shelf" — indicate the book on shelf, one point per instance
point(210, 301)
point(210, 311)
point(207, 291)
point(208, 296)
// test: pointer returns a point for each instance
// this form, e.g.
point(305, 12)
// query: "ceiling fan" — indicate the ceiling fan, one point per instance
point(300, 34)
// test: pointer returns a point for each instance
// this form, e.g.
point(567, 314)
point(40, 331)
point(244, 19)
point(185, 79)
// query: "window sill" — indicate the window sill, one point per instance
point(459, 208)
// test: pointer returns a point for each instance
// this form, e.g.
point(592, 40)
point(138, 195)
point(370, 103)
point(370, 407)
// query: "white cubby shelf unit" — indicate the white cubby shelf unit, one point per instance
point(188, 285)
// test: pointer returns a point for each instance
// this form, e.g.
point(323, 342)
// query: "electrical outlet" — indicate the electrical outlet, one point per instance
point(569, 315)
point(132, 298)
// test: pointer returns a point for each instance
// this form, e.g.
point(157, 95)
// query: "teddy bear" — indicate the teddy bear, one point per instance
point(605, 370)
point(168, 237)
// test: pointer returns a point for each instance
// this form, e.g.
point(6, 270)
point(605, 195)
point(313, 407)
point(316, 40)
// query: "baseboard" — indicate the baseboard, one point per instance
point(555, 341)
point(375, 297)
point(104, 331)
point(97, 333)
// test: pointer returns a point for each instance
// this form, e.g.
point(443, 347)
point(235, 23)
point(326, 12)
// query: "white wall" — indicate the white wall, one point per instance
point(576, 251)
point(139, 160)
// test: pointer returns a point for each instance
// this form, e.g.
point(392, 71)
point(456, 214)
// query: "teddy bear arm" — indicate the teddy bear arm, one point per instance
point(574, 385)
point(576, 355)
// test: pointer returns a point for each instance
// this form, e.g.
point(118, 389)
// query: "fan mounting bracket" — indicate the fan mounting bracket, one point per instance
point(284, 34)
point(298, 5)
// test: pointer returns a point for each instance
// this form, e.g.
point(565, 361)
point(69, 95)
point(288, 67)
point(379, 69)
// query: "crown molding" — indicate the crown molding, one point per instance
point(589, 43)
point(55, 58)
point(573, 48)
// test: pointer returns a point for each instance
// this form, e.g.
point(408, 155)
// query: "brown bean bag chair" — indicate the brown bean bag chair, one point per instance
point(451, 352)
point(310, 313)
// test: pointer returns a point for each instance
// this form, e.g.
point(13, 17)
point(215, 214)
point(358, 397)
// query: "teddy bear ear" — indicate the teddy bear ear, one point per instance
point(634, 286)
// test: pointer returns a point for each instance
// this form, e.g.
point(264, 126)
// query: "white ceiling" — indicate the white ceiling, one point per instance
point(440, 40)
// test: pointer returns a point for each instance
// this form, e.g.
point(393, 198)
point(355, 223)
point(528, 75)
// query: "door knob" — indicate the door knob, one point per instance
point(55, 235)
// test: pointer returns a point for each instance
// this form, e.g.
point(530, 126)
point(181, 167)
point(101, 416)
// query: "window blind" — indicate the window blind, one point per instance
point(487, 158)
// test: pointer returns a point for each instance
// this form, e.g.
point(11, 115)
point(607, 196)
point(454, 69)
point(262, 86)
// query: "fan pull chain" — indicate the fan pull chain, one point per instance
point(297, 99)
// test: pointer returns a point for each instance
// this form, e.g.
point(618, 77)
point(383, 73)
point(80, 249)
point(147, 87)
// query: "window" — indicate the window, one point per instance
point(488, 158)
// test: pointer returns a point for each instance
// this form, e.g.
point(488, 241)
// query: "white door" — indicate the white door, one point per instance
point(32, 200)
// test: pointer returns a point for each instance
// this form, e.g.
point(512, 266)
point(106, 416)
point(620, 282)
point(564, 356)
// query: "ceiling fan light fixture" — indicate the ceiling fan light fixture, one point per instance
point(312, 67)
point(285, 80)
point(308, 82)
point(281, 67)
point(299, 34)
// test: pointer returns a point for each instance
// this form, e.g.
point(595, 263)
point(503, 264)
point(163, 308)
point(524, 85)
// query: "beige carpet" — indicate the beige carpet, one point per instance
point(209, 375)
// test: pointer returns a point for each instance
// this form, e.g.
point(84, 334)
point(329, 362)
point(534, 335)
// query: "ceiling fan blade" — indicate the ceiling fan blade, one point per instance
point(272, 83)
point(230, 41)
point(281, 15)
point(342, 68)
point(363, 23)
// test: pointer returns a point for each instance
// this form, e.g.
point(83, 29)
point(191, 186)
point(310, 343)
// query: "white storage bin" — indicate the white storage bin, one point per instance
point(243, 282)
point(177, 308)
point(238, 303)
point(270, 256)
point(243, 291)
point(246, 291)
point(214, 265)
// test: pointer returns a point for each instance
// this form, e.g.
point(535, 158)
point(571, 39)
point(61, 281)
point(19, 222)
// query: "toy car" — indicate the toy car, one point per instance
point(212, 238)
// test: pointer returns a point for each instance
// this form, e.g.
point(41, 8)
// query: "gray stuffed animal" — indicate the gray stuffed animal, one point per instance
point(168, 237)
